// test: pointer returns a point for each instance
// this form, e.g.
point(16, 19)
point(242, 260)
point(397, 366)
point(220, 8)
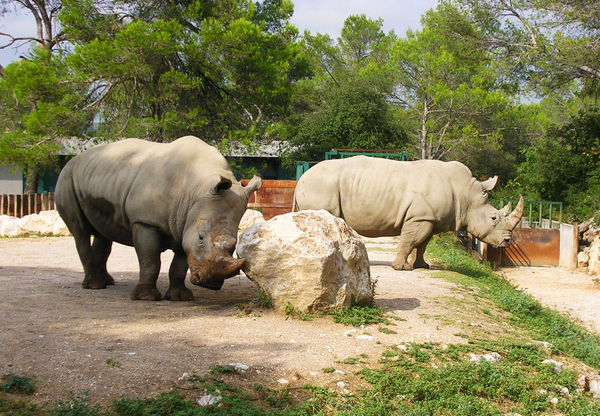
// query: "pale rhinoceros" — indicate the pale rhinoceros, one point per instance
point(415, 200)
point(155, 196)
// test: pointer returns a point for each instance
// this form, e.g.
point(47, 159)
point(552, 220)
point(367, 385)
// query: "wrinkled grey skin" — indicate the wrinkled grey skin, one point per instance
point(413, 200)
point(180, 196)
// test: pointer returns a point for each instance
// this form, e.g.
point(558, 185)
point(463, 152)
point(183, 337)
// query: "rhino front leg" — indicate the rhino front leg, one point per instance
point(413, 234)
point(177, 272)
point(147, 242)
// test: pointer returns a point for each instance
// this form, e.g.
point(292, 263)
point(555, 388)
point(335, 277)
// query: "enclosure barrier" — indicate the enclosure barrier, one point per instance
point(17, 205)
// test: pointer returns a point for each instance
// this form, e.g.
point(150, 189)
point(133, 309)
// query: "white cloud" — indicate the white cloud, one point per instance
point(327, 16)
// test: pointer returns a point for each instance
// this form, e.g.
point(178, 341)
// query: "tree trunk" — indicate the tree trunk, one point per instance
point(31, 180)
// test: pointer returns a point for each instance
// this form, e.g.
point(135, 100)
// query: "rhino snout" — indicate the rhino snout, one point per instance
point(213, 274)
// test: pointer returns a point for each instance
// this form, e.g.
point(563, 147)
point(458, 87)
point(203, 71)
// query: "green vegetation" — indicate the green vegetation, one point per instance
point(358, 315)
point(12, 383)
point(113, 363)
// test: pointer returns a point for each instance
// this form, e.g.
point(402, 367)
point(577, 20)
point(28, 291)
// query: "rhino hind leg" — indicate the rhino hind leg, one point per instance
point(177, 272)
point(419, 262)
point(413, 234)
point(147, 242)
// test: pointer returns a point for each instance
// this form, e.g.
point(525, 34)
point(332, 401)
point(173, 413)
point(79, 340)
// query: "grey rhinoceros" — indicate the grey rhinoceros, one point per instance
point(415, 200)
point(155, 196)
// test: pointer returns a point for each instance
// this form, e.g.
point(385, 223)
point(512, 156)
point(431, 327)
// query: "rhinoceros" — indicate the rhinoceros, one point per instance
point(413, 200)
point(180, 196)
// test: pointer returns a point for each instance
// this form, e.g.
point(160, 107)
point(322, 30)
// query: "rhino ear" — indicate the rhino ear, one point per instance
point(254, 184)
point(489, 184)
point(222, 184)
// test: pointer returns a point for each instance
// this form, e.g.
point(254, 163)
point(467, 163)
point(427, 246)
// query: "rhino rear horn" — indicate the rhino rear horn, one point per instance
point(515, 216)
point(504, 211)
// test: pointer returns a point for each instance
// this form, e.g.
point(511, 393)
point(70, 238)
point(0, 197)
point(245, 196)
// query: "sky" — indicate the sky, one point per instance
point(316, 16)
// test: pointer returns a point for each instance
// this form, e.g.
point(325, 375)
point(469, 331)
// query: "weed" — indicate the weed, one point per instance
point(386, 330)
point(290, 311)
point(328, 370)
point(76, 406)
point(113, 363)
point(11, 383)
point(358, 315)
point(263, 299)
point(222, 369)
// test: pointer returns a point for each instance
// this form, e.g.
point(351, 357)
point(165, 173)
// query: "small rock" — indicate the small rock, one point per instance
point(341, 384)
point(349, 332)
point(209, 399)
point(367, 337)
point(184, 377)
point(339, 372)
point(564, 392)
point(554, 400)
point(402, 347)
point(558, 367)
point(283, 381)
point(595, 387)
point(241, 368)
point(492, 357)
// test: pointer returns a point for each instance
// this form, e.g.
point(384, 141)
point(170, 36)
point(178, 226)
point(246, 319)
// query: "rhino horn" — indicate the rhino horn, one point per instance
point(515, 216)
point(254, 185)
point(504, 211)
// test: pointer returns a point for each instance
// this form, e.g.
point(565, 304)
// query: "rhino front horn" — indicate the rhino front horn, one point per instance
point(515, 216)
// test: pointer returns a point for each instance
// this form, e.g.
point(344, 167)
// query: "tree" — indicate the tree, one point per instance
point(38, 105)
point(564, 165)
point(344, 103)
point(546, 42)
point(448, 93)
point(44, 12)
point(218, 70)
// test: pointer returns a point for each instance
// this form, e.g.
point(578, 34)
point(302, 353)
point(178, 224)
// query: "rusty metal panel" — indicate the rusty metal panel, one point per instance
point(273, 198)
point(532, 247)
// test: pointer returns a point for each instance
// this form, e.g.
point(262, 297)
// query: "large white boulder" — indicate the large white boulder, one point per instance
point(10, 226)
point(309, 259)
point(37, 224)
point(250, 217)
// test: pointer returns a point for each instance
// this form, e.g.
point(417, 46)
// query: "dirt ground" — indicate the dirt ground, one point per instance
point(69, 339)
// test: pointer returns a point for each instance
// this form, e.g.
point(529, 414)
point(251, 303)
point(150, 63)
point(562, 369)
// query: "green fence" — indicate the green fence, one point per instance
point(537, 213)
point(302, 166)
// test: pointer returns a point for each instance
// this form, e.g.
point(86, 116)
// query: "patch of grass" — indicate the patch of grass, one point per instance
point(263, 300)
point(113, 363)
point(12, 383)
point(359, 315)
point(328, 370)
point(292, 312)
point(76, 406)
point(222, 369)
point(385, 330)
point(540, 322)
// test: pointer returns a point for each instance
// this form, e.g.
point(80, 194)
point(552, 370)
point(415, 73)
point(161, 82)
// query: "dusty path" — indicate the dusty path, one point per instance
point(574, 293)
point(64, 337)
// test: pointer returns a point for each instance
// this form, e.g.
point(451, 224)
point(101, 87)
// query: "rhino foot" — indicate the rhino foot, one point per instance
point(97, 281)
point(179, 294)
point(421, 265)
point(401, 266)
point(145, 292)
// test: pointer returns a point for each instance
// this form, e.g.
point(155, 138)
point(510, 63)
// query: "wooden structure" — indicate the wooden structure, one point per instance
point(20, 205)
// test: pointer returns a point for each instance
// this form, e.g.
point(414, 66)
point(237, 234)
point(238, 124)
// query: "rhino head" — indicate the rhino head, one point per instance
point(487, 223)
point(210, 233)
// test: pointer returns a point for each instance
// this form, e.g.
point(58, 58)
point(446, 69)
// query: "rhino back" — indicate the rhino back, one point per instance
point(134, 180)
point(376, 196)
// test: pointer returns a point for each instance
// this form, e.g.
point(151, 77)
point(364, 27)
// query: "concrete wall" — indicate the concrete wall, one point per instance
point(10, 182)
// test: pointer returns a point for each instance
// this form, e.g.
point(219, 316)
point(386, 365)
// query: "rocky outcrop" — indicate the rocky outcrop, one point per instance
point(44, 223)
point(310, 260)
